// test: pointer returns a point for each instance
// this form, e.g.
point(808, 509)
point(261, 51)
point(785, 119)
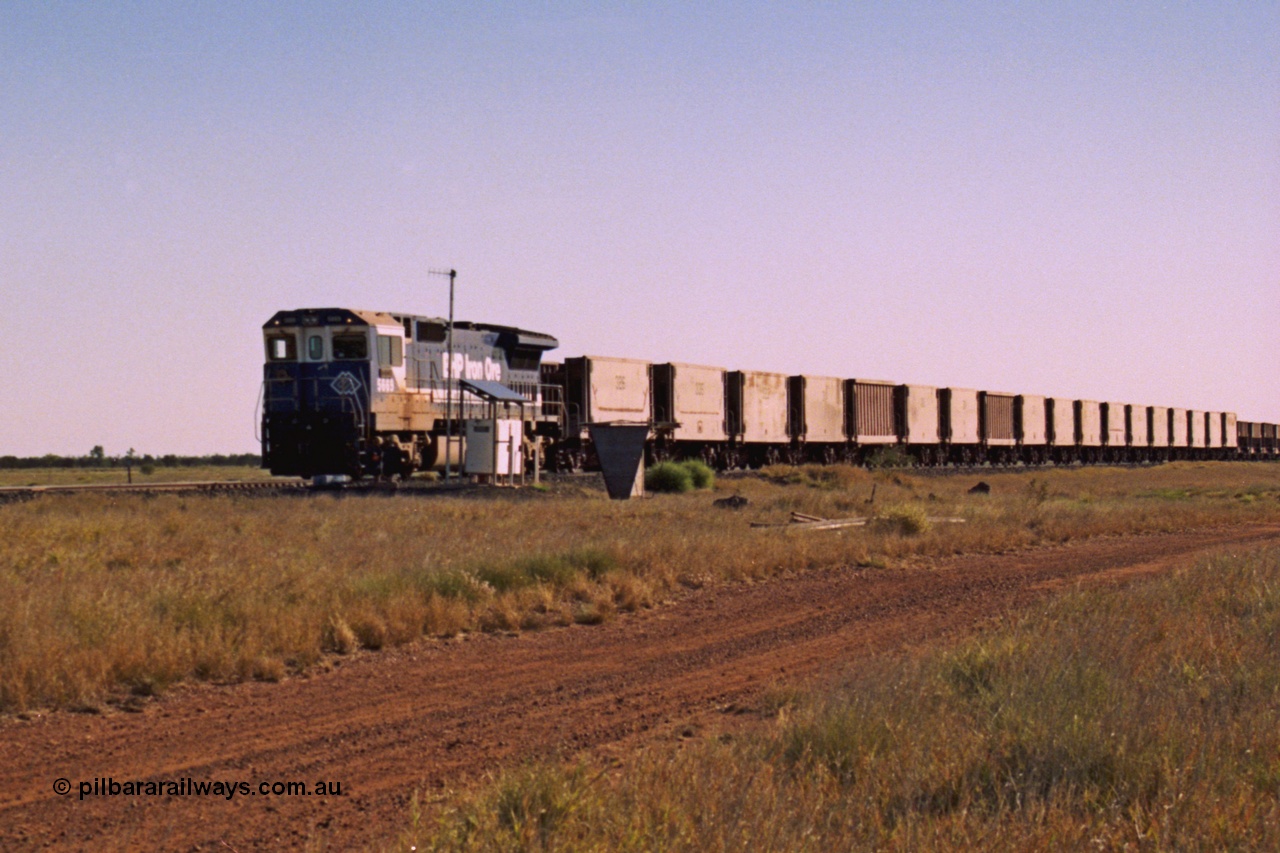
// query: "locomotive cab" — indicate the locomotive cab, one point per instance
point(324, 371)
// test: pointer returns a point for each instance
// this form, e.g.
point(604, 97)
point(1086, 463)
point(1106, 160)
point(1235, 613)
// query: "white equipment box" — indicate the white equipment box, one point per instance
point(493, 448)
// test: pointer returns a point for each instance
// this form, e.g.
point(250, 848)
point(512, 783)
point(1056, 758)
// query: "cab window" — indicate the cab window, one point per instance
point(350, 347)
point(390, 351)
point(315, 348)
point(432, 333)
point(282, 348)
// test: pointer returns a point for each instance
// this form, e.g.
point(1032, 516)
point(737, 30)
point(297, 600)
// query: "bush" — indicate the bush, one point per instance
point(890, 456)
point(679, 476)
point(504, 576)
point(700, 472)
point(827, 477)
point(594, 561)
point(668, 477)
point(544, 568)
point(903, 519)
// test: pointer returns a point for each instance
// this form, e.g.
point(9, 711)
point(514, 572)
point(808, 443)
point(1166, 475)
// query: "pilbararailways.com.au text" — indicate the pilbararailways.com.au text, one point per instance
point(188, 787)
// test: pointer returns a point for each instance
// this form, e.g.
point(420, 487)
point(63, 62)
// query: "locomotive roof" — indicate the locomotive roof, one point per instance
point(354, 317)
point(328, 317)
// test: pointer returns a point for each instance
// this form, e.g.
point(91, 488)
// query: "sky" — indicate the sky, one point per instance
point(1073, 199)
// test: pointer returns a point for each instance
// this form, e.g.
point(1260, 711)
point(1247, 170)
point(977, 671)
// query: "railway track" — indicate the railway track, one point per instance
point(18, 493)
point(10, 494)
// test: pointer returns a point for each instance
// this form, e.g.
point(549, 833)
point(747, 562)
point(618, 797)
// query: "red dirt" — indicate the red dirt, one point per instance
point(441, 713)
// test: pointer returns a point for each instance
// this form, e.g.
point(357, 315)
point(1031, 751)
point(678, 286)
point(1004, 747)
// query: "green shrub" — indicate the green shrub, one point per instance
point(461, 585)
point(594, 561)
point(504, 577)
point(550, 569)
point(700, 473)
point(547, 569)
point(679, 476)
point(890, 456)
point(668, 477)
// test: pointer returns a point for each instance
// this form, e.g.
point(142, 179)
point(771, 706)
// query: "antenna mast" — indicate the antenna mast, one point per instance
point(448, 378)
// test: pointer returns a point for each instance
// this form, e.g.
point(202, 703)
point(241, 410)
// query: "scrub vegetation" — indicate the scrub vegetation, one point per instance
point(105, 595)
point(679, 476)
point(1137, 718)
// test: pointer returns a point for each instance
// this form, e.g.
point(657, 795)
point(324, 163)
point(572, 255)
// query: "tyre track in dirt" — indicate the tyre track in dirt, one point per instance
point(439, 714)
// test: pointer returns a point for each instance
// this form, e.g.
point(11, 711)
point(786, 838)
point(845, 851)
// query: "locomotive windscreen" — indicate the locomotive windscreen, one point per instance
point(350, 347)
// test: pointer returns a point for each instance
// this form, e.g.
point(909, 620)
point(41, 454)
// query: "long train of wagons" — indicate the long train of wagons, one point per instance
point(352, 393)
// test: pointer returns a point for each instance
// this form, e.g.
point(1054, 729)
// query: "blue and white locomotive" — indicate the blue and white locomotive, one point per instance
point(352, 393)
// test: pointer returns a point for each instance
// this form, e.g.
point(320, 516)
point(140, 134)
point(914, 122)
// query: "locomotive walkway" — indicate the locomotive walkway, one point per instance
point(441, 714)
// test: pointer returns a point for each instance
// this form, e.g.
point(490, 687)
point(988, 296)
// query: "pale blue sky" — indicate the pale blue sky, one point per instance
point(1079, 199)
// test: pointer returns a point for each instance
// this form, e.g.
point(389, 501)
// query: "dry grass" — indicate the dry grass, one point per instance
point(101, 593)
point(1143, 718)
point(118, 476)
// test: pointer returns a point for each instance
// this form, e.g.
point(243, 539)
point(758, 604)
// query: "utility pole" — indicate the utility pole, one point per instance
point(448, 380)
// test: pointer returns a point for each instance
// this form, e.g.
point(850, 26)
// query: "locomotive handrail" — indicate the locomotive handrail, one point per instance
point(270, 386)
point(432, 374)
point(551, 398)
point(573, 420)
point(257, 412)
point(356, 409)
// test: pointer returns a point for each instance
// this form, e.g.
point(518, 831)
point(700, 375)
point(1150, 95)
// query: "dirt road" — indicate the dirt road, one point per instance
point(383, 725)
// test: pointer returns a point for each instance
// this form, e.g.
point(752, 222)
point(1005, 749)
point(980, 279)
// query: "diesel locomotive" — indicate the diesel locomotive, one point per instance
point(351, 393)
